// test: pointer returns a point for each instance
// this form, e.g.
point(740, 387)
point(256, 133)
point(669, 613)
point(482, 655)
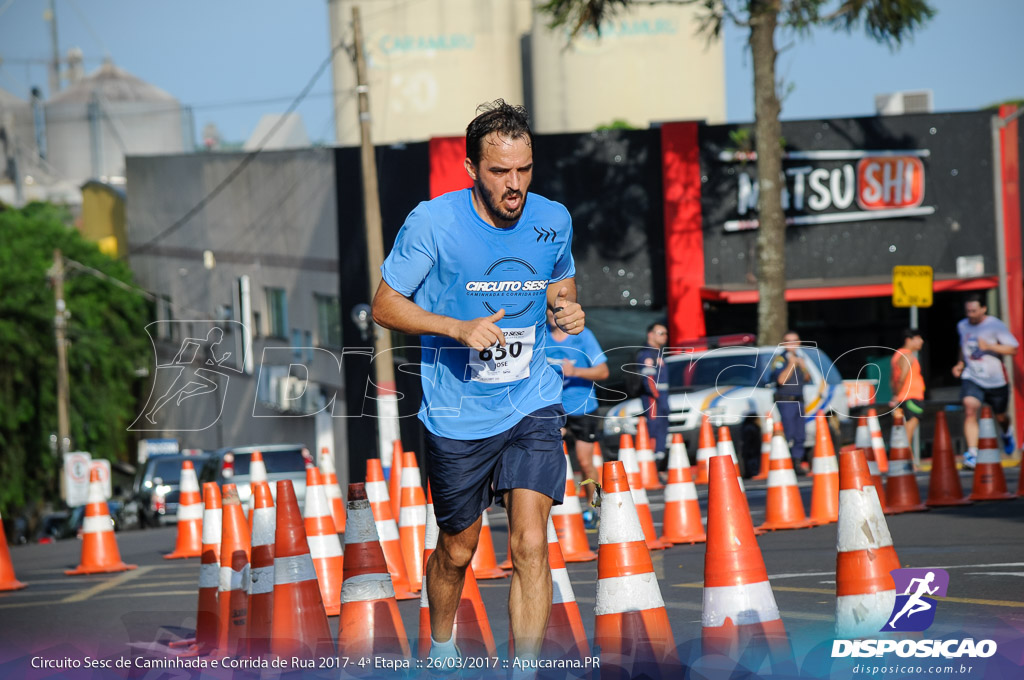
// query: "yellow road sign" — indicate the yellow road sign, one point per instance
point(912, 286)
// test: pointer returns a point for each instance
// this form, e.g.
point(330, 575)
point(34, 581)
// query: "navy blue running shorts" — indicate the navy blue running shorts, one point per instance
point(467, 476)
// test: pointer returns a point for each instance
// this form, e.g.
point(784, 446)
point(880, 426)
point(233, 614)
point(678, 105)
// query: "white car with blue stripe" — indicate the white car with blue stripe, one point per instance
point(730, 384)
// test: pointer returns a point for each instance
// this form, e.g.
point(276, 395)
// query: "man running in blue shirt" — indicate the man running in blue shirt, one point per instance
point(473, 272)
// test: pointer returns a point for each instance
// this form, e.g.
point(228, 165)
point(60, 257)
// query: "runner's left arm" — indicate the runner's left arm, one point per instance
point(569, 314)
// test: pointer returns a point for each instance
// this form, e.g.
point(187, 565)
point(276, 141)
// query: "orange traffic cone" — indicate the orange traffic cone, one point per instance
point(395, 480)
point(865, 591)
point(568, 519)
point(632, 634)
point(485, 562)
point(233, 589)
point(190, 516)
point(331, 488)
point(645, 457)
point(902, 494)
point(681, 522)
point(472, 629)
point(261, 583)
point(784, 509)
point(565, 636)
point(99, 545)
point(412, 520)
point(825, 468)
point(706, 448)
point(387, 528)
point(767, 432)
point(877, 443)
point(598, 461)
point(725, 448)
point(7, 579)
point(876, 477)
point(740, 616)
point(300, 625)
point(370, 625)
point(989, 479)
point(207, 615)
point(640, 501)
point(257, 473)
point(944, 482)
point(324, 545)
point(506, 564)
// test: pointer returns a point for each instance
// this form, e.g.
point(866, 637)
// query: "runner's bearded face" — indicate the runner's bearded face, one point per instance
point(503, 177)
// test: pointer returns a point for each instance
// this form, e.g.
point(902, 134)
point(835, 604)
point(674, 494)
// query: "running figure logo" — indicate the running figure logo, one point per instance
point(913, 610)
point(200, 368)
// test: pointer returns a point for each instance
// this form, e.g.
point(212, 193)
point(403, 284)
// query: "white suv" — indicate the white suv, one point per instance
point(730, 384)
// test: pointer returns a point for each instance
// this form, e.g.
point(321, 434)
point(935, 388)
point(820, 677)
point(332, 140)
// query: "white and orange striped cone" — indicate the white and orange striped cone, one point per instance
point(207, 616)
point(387, 528)
point(565, 637)
point(332, 489)
point(190, 516)
point(598, 461)
point(784, 509)
point(767, 432)
point(725, 448)
point(7, 578)
point(632, 634)
point(865, 590)
point(370, 625)
point(739, 619)
point(989, 479)
point(99, 545)
point(485, 562)
point(706, 448)
point(472, 628)
point(825, 469)
point(395, 479)
point(645, 457)
point(568, 519)
point(257, 473)
point(877, 442)
point(412, 520)
point(324, 545)
point(901, 493)
point(640, 501)
point(300, 626)
point(261, 585)
point(876, 477)
point(233, 587)
point(681, 522)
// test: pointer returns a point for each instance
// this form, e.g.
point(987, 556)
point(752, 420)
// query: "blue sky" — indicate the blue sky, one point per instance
point(226, 58)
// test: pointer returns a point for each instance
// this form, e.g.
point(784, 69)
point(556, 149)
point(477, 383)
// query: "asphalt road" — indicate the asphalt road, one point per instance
point(122, 614)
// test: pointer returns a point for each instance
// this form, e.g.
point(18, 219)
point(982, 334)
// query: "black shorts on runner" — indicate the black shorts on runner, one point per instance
point(913, 407)
point(996, 397)
point(583, 428)
point(467, 476)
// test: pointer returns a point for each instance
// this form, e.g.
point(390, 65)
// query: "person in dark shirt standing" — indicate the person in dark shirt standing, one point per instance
point(790, 374)
point(654, 397)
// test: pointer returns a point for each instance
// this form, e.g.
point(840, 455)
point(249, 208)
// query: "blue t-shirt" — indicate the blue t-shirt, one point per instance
point(452, 263)
point(583, 351)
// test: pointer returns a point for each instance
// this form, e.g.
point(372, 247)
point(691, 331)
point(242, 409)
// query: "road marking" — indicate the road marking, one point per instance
point(107, 585)
point(116, 596)
point(161, 584)
point(828, 591)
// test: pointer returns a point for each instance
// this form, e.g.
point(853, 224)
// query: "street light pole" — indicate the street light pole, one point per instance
point(60, 327)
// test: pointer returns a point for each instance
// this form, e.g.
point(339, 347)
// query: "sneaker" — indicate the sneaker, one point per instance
point(970, 458)
point(1009, 444)
point(799, 469)
point(590, 519)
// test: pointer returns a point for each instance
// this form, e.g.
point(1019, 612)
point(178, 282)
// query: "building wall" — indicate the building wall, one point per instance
point(277, 223)
point(647, 65)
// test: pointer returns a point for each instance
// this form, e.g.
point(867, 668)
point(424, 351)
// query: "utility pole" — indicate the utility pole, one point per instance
point(60, 326)
point(384, 368)
point(51, 15)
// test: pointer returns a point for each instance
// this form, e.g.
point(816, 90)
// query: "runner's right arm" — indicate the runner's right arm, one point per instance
point(393, 310)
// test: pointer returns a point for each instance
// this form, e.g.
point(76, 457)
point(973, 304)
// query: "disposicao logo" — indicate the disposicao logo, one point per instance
point(914, 611)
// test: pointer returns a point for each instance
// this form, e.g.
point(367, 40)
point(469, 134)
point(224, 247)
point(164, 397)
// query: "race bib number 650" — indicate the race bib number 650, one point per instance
point(500, 364)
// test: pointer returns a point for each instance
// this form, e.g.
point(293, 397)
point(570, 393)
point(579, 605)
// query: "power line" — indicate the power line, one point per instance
point(180, 222)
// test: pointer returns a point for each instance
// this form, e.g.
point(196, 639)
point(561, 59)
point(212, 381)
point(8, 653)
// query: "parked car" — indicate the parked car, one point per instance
point(731, 385)
point(155, 493)
point(283, 461)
